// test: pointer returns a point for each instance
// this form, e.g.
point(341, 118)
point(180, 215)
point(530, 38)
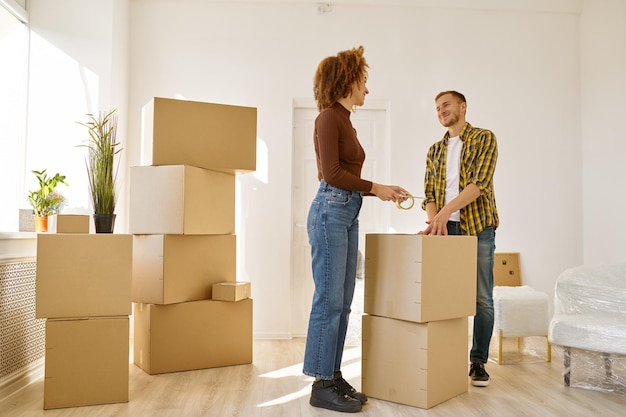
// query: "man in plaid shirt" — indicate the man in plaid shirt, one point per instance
point(459, 200)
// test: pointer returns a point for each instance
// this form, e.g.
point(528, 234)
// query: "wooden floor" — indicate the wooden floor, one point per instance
point(274, 386)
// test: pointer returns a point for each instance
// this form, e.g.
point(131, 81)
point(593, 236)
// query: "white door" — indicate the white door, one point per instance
point(370, 124)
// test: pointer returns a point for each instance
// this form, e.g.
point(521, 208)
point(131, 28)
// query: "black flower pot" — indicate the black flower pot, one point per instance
point(104, 222)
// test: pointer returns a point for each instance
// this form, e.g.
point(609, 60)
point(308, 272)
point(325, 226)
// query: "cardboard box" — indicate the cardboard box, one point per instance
point(420, 278)
point(506, 269)
point(231, 291)
point(181, 199)
point(417, 364)
point(178, 268)
point(206, 135)
point(72, 223)
point(86, 362)
point(193, 335)
point(83, 275)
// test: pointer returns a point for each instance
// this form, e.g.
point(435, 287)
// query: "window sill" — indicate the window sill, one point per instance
point(17, 245)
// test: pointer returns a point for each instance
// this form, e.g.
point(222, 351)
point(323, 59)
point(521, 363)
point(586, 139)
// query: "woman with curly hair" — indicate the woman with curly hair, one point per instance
point(333, 225)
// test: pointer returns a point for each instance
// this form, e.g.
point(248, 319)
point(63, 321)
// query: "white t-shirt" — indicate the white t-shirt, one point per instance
point(452, 173)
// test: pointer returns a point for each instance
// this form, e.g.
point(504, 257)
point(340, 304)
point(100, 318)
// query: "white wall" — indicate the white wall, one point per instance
point(519, 72)
point(603, 69)
point(519, 68)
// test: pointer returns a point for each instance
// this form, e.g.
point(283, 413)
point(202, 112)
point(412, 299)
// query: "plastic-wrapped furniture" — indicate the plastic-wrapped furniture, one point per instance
point(519, 310)
point(589, 323)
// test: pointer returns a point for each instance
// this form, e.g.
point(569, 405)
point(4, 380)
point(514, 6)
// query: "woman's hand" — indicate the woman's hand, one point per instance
point(393, 193)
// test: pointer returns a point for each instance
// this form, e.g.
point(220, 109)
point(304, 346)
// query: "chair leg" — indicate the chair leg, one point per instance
point(567, 361)
point(519, 347)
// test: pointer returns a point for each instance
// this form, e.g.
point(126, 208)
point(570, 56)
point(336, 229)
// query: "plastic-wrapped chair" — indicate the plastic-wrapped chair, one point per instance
point(519, 310)
point(589, 322)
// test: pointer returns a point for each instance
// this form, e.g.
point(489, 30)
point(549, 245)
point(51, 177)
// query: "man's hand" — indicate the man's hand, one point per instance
point(438, 225)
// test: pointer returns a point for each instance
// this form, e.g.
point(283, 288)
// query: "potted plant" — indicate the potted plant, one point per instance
point(102, 166)
point(45, 200)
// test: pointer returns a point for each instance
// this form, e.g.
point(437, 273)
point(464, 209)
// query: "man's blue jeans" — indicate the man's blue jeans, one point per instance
point(333, 229)
point(483, 320)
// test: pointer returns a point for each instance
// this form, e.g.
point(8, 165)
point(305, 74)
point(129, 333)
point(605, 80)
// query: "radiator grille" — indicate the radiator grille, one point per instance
point(22, 336)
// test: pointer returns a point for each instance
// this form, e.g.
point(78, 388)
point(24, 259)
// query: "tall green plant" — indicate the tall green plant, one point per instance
point(101, 162)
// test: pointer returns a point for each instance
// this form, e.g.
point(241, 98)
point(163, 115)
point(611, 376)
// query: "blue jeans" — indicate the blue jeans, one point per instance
point(333, 229)
point(483, 320)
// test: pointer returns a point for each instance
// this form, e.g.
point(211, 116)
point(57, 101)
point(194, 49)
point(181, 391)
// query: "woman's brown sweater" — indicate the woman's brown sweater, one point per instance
point(339, 153)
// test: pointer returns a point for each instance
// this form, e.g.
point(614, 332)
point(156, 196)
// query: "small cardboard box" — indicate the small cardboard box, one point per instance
point(181, 200)
point(206, 135)
point(178, 268)
point(83, 275)
point(72, 223)
point(194, 335)
point(506, 269)
point(231, 291)
point(86, 362)
point(420, 278)
point(417, 364)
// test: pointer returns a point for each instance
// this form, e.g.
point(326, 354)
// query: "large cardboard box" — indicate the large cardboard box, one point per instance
point(417, 364)
point(177, 268)
point(86, 362)
point(193, 335)
point(206, 135)
point(181, 199)
point(420, 278)
point(83, 275)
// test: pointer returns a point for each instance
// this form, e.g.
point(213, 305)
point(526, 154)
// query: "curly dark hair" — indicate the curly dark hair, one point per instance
point(335, 76)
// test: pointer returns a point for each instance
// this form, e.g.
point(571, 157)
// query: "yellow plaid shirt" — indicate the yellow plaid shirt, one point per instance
point(478, 163)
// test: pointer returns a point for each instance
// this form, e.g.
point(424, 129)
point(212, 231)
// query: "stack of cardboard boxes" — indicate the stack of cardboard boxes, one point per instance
point(83, 289)
point(189, 311)
point(419, 291)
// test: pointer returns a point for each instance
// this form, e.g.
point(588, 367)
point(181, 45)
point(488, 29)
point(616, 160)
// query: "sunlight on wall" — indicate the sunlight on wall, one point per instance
point(262, 162)
point(61, 89)
point(13, 49)
point(147, 132)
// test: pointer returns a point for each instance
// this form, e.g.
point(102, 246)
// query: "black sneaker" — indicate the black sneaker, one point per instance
point(325, 394)
point(348, 389)
point(480, 377)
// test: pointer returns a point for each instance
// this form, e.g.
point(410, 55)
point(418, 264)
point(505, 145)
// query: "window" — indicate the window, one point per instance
point(13, 94)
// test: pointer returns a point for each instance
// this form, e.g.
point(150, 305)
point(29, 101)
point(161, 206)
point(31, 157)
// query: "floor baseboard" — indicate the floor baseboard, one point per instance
point(13, 383)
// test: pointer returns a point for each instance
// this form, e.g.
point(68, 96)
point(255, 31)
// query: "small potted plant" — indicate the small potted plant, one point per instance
point(45, 201)
point(102, 166)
